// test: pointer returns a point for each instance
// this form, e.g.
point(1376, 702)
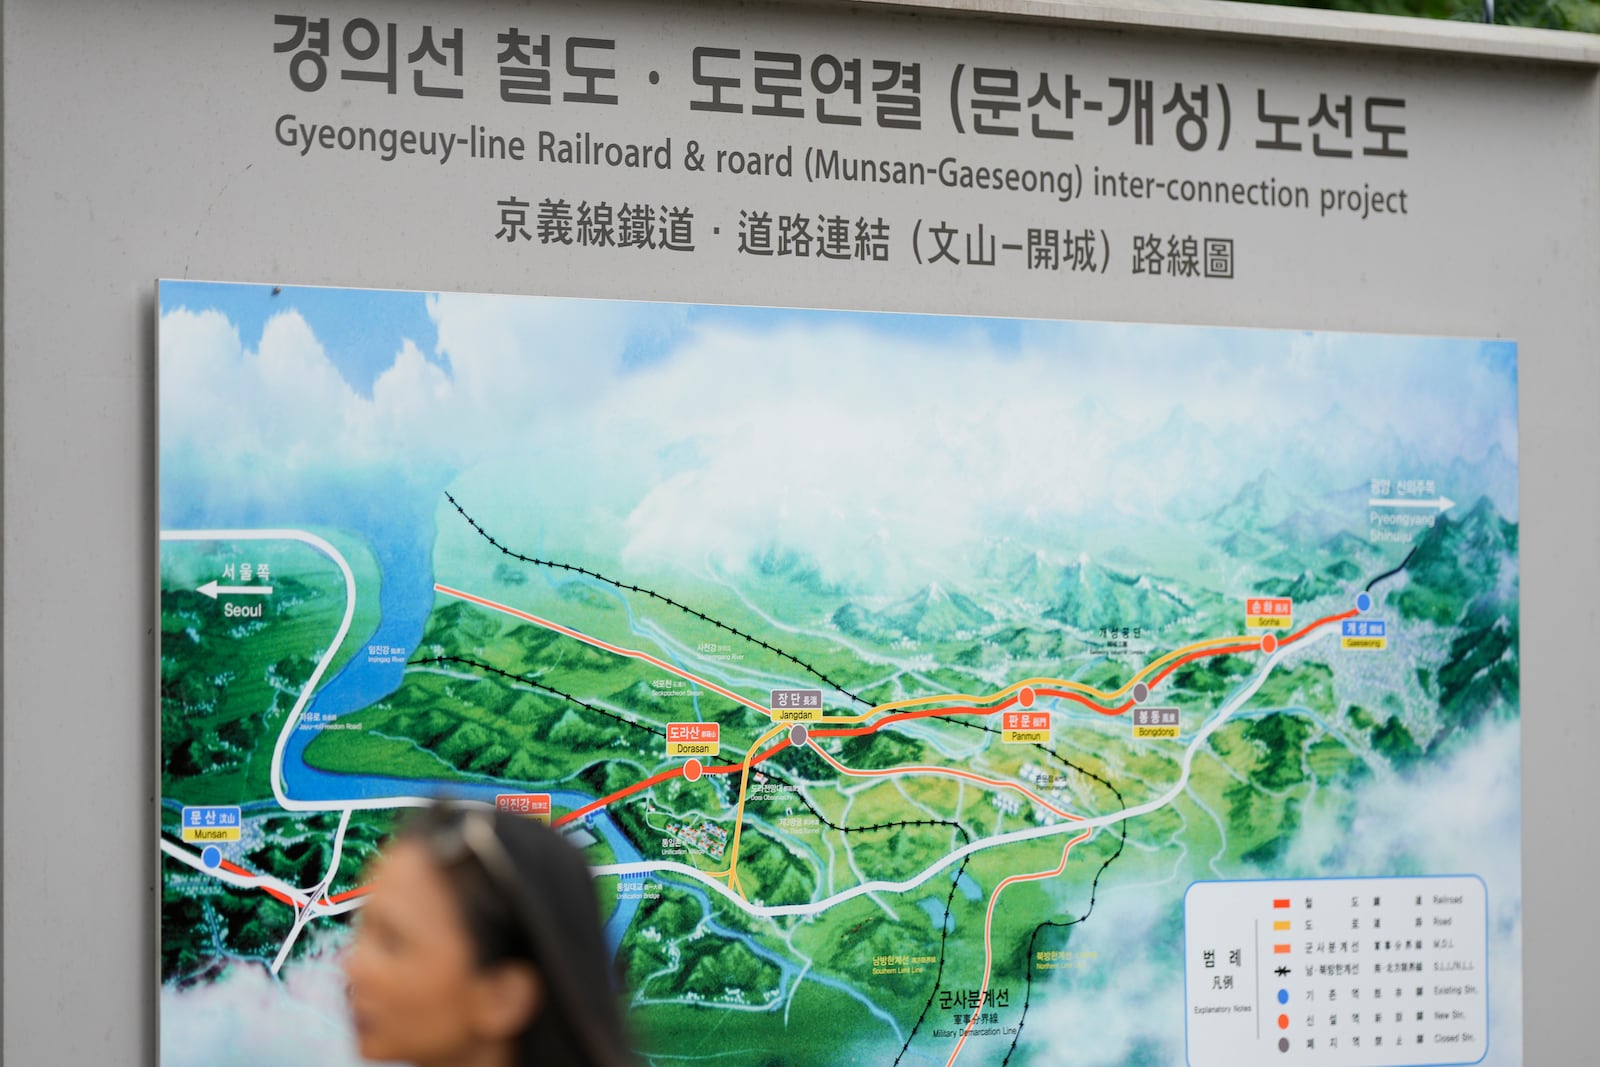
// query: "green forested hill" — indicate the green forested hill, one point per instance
point(1582, 15)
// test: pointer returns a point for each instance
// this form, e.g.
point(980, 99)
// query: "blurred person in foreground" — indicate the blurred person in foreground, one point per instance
point(480, 945)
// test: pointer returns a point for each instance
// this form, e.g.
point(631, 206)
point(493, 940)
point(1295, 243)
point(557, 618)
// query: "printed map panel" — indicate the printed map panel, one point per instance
point(899, 674)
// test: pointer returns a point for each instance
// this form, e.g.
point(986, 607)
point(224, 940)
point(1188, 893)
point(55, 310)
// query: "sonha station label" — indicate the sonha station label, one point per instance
point(1275, 613)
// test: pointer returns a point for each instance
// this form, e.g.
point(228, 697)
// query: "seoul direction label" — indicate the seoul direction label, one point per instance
point(693, 738)
point(211, 824)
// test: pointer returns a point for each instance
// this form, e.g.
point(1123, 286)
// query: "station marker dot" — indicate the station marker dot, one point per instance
point(1269, 644)
point(212, 856)
point(691, 770)
point(1283, 996)
point(1025, 697)
point(1283, 1044)
point(1363, 602)
point(1140, 692)
point(1283, 1022)
point(798, 734)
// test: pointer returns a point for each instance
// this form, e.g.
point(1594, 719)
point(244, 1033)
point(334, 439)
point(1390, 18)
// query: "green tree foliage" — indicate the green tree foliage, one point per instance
point(1580, 15)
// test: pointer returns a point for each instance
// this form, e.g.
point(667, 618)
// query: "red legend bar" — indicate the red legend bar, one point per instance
point(1280, 903)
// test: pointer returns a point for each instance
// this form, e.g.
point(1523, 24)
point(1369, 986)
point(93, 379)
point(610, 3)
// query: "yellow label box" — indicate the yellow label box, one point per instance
point(210, 833)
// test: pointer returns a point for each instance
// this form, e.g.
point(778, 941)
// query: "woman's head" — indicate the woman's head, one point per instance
point(480, 942)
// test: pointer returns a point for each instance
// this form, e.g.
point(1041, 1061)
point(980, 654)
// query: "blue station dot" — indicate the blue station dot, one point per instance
point(1283, 996)
point(1364, 602)
point(211, 856)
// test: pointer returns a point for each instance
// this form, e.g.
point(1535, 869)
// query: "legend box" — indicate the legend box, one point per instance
point(1358, 972)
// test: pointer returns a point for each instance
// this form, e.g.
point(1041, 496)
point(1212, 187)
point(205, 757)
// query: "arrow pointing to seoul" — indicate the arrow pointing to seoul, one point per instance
point(1442, 503)
point(213, 590)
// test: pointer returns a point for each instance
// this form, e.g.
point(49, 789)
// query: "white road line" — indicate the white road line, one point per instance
point(315, 897)
point(279, 791)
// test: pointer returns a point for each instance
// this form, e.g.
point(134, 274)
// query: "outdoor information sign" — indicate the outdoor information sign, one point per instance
point(999, 536)
point(924, 688)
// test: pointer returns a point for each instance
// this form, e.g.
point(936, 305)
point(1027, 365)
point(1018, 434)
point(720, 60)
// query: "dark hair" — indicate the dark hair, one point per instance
point(534, 901)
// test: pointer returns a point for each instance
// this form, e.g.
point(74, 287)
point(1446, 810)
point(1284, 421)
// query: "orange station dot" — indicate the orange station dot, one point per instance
point(1283, 1022)
point(691, 770)
point(1269, 644)
point(1025, 697)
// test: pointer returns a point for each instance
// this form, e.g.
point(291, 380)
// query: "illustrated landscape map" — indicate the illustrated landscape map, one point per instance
point(922, 689)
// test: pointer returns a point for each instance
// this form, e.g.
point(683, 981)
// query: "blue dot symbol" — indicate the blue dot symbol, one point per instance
point(211, 856)
point(1364, 602)
point(1283, 996)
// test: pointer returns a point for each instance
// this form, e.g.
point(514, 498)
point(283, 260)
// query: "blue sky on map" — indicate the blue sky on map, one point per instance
point(714, 428)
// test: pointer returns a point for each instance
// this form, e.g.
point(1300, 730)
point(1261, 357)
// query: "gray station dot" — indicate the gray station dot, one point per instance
point(1140, 692)
point(798, 734)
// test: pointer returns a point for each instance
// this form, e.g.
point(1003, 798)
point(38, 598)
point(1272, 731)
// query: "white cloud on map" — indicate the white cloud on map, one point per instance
point(246, 1018)
point(1120, 1009)
point(1472, 825)
point(842, 437)
point(846, 442)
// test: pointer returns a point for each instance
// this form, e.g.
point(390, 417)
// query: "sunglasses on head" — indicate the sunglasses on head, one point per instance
point(467, 834)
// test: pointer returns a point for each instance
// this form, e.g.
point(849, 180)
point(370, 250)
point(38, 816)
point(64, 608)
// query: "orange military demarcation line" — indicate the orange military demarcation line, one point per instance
point(577, 635)
point(988, 927)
